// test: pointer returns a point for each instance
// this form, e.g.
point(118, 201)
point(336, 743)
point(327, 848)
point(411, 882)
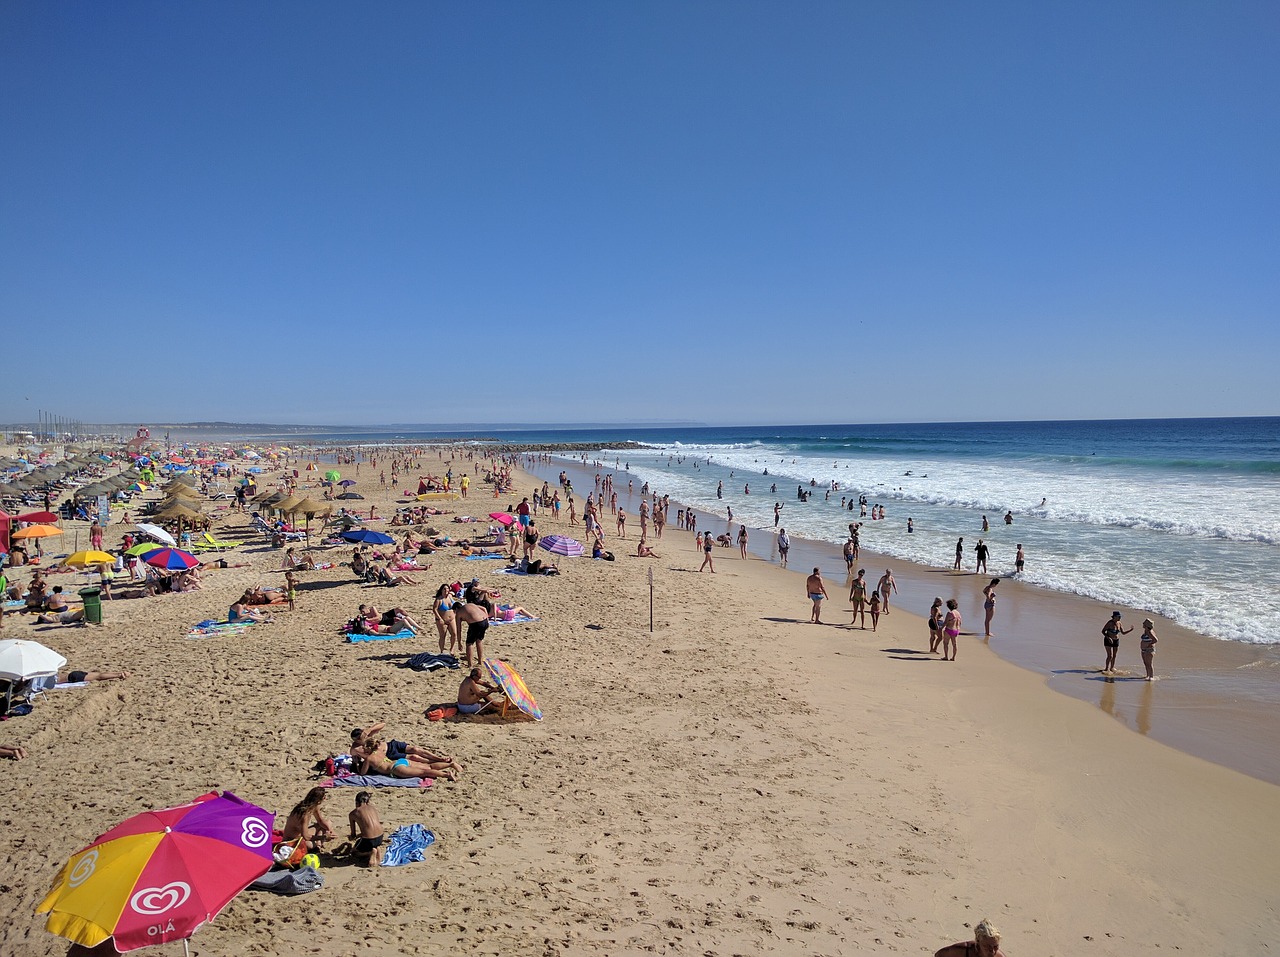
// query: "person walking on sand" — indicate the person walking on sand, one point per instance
point(951, 629)
point(959, 554)
point(784, 546)
point(816, 591)
point(1111, 633)
point(622, 523)
point(885, 587)
point(742, 540)
point(989, 605)
point(1148, 646)
point(875, 610)
point(708, 543)
point(858, 598)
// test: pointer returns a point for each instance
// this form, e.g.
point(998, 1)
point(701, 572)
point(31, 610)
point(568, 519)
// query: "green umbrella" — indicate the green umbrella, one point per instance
point(333, 475)
point(142, 548)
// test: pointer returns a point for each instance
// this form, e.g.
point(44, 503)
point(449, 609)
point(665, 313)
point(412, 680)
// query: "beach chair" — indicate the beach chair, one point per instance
point(207, 543)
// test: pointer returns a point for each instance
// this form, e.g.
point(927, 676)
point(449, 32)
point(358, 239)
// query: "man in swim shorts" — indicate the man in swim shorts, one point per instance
point(366, 831)
point(817, 591)
point(473, 693)
point(476, 617)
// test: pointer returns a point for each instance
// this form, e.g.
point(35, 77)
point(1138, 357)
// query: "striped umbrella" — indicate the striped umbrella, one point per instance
point(513, 687)
point(174, 559)
point(561, 545)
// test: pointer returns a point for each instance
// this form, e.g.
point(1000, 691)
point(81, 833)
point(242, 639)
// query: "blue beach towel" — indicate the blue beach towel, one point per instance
point(402, 633)
point(408, 845)
point(485, 558)
point(374, 781)
point(517, 620)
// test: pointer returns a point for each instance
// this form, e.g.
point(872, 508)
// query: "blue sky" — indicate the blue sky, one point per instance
point(727, 212)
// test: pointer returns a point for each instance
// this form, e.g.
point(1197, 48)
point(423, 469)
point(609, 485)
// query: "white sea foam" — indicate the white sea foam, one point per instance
point(1199, 549)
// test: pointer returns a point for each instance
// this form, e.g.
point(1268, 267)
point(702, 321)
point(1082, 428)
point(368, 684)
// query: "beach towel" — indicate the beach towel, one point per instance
point(374, 781)
point(408, 845)
point(517, 620)
point(302, 880)
point(402, 633)
point(428, 661)
point(513, 570)
point(485, 558)
point(210, 628)
point(16, 603)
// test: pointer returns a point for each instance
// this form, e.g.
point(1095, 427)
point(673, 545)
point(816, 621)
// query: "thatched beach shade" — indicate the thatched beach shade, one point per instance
point(286, 505)
point(269, 498)
point(181, 491)
point(174, 510)
point(310, 506)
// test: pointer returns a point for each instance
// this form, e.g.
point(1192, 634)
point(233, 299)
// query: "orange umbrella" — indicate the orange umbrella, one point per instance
point(36, 531)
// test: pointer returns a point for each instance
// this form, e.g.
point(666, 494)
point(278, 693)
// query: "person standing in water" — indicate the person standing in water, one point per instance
point(959, 554)
point(1148, 646)
point(1111, 633)
point(989, 605)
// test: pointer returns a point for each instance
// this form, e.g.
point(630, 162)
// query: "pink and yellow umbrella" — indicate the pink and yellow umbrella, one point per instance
point(513, 687)
point(160, 875)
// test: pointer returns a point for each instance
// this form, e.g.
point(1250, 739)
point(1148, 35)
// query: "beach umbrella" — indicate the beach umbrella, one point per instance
point(158, 533)
point(367, 537)
point(311, 467)
point(333, 475)
point(256, 470)
point(36, 531)
point(178, 510)
point(173, 559)
point(142, 548)
point(89, 559)
point(347, 483)
point(350, 495)
point(311, 507)
point(21, 660)
point(48, 517)
point(503, 518)
point(561, 545)
point(287, 504)
point(160, 875)
point(513, 686)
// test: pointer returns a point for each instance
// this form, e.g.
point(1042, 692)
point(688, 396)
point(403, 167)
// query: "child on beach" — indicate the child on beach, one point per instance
point(1148, 646)
point(875, 609)
point(290, 588)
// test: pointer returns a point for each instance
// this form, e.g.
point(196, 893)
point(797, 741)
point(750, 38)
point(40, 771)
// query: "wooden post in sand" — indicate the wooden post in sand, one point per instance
point(651, 599)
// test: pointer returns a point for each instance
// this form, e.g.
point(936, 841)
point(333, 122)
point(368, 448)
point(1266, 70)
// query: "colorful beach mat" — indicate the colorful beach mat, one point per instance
point(402, 633)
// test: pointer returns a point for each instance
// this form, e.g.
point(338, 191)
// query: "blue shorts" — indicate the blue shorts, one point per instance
point(524, 520)
point(397, 750)
point(469, 708)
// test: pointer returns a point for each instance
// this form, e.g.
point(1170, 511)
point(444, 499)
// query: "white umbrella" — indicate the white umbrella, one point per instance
point(21, 660)
point(158, 533)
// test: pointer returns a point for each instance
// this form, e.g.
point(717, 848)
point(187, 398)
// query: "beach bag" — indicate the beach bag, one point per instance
point(440, 712)
point(304, 880)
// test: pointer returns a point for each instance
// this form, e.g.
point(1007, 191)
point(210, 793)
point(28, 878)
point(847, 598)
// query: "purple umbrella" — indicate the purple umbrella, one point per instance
point(561, 545)
point(174, 559)
point(347, 483)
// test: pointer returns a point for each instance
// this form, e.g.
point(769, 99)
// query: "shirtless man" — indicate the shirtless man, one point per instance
point(370, 758)
point(400, 749)
point(476, 616)
point(366, 831)
point(886, 585)
point(816, 591)
point(473, 693)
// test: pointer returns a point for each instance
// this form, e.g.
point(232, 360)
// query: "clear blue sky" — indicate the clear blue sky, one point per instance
point(729, 212)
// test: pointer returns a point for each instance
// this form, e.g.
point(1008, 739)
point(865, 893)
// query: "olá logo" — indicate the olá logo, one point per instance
point(159, 900)
point(84, 868)
point(254, 833)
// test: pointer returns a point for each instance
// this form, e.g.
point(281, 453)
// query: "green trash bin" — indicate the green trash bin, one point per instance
point(92, 605)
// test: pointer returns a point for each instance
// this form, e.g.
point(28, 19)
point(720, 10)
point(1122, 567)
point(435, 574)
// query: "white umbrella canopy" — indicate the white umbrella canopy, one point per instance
point(158, 533)
point(21, 660)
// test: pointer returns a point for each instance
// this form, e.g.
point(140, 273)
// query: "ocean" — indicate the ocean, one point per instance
point(1176, 516)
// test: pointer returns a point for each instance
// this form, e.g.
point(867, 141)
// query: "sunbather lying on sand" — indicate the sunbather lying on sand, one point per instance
point(381, 576)
point(12, 752)
point(395, 618)
point(400, 749)
point(370, 758)
point(242, 612)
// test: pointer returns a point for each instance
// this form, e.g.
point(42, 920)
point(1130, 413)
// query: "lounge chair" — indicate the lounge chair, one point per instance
point(207, 542)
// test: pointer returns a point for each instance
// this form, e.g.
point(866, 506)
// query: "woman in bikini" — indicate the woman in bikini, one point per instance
point(951, 629)
point(446, 621)
point(935, 625)
point(307, 822)
point(1111, 633)
point(373, 759)
point(989, 604)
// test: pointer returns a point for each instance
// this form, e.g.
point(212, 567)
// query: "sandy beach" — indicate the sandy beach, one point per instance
point(738, 781)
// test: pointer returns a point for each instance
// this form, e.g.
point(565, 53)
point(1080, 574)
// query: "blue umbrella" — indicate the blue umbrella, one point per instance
point(367, 537)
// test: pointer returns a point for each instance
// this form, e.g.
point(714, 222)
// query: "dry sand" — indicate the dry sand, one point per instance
point(737, 782)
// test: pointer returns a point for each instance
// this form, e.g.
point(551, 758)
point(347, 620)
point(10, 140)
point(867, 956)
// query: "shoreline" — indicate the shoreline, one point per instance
point(1212, 698)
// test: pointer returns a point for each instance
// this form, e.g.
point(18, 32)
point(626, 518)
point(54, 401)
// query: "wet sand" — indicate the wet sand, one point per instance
point(1218, 700)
